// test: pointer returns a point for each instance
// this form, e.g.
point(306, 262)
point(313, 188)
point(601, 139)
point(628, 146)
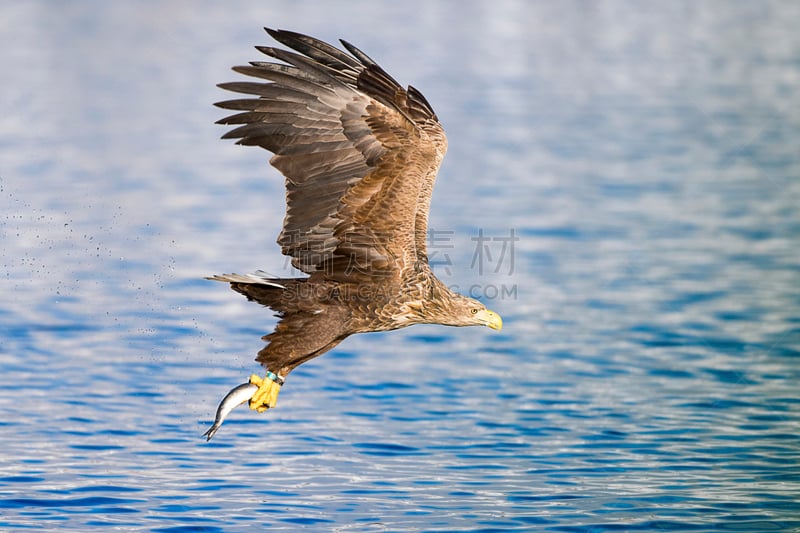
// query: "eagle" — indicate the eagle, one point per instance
point(359, 154)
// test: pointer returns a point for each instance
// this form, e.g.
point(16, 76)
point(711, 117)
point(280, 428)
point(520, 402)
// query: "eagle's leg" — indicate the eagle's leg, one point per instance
point(267, 394)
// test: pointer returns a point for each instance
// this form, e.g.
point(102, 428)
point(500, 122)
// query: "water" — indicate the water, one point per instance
point(642, 163)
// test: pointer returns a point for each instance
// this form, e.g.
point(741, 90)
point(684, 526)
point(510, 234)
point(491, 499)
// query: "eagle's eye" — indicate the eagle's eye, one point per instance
point(474, 310)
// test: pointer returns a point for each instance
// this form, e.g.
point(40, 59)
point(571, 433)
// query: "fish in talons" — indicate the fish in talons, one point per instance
point(236, 397)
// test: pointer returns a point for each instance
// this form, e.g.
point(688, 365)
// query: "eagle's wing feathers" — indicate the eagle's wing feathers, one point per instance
point(359, 154)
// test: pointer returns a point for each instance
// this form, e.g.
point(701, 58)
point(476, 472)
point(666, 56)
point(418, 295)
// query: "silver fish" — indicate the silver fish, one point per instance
point(236, 397)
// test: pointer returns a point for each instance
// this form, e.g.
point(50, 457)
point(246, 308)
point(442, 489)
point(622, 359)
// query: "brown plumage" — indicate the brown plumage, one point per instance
point(360, 155)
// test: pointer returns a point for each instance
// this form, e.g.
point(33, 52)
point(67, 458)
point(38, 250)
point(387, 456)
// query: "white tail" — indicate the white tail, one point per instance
point(259, 277)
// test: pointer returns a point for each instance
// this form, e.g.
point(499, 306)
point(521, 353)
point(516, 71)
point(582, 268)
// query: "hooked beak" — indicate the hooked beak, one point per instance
point(491, 319)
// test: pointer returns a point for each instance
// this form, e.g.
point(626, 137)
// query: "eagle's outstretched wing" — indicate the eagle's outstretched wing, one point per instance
point(359, 153)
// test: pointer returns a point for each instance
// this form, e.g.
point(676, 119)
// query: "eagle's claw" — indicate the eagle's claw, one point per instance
point(267, 394)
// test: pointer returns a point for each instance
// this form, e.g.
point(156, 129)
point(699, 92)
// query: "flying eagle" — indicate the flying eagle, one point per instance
point(360, 155)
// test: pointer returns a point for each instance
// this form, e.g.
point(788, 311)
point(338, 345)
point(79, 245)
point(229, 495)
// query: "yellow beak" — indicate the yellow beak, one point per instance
point(491, 319)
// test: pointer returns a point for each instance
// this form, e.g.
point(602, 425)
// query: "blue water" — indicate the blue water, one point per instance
point(621, 185)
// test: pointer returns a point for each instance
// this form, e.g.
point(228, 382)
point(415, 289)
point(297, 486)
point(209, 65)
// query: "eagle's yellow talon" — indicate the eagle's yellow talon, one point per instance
point(267, 394)
point(273, 394)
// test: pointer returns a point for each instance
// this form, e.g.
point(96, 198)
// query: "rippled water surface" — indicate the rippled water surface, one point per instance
point(621, 185)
